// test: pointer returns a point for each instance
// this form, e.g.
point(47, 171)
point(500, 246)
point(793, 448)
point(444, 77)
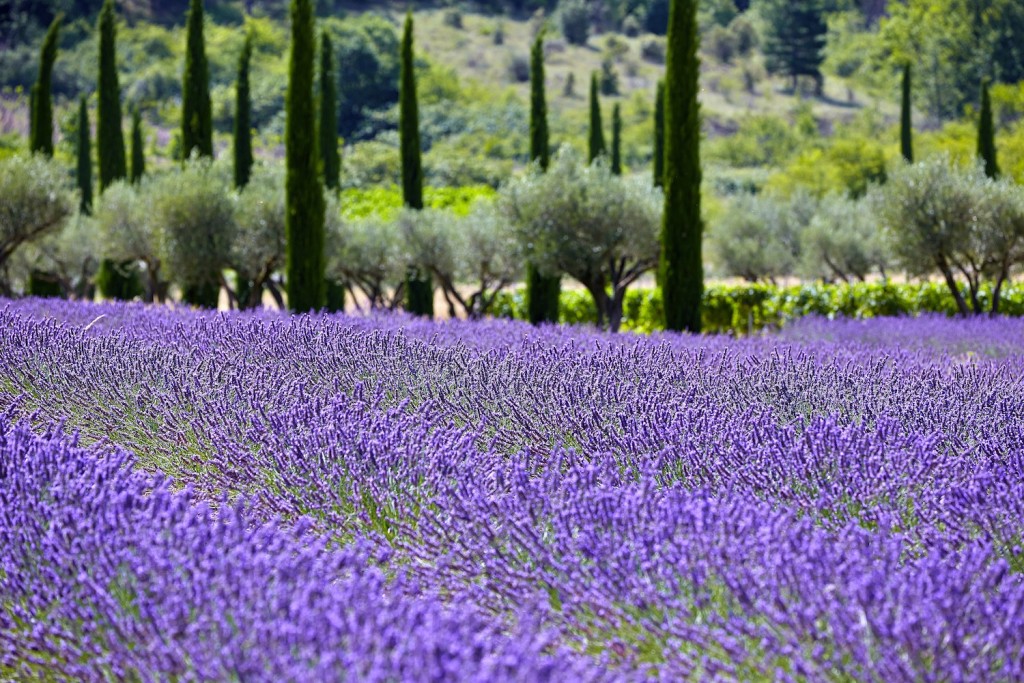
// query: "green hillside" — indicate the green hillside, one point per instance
point(474, 70)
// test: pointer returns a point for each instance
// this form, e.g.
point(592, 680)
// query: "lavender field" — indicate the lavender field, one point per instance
point(255, 497)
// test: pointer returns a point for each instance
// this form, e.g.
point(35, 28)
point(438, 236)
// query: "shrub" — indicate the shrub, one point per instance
point(609, 78)
point(575, 17)
point(631, 26)
point(721, 44)
point(653, 50)
point(518, 67)
point(453, 18)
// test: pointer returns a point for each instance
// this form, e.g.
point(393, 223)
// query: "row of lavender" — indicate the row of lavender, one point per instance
point(388, 498)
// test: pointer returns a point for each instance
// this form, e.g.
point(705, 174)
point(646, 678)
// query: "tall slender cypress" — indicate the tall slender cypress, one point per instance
point(542, 291)
point(616, 139)
point(304, 219)
point(681, 270)
point(83, 150)
point(987, 134)
point(109, 135)
point(906, 124)
point(196, 115)
point(242, 147)
point(138, 168)
point(329, 117)
point(42, 107)
point(540, 150)
point(659, 135)
point(595, 147)
point(419, 288)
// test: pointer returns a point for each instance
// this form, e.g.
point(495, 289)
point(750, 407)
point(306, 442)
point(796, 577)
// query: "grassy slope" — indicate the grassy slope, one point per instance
point(472, 54)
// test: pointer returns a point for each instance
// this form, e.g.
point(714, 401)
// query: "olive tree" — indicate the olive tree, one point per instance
point(472, 258)
point(196, 214)
point(66, 259)
point(488, 258)
point(258, 247)
point(842, 241)
point(366, 255)
point(941, 217)
point(1000, 236)
point(129, 231)
point(758, 237)
point(584, 221)
point(35, 199)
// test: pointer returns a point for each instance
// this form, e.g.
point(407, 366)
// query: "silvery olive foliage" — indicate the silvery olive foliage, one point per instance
point(129, 230)
point(258, 248)
point(758, 237)
point(195, 210)
point(67, 256)
point(584, 221)
point(366, 254)
point(472, 258)
point(488, 257)
point(938, 216)
point(35, 199)
point(842, 241)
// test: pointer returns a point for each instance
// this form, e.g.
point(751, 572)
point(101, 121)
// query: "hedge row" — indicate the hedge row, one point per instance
point(748, 308)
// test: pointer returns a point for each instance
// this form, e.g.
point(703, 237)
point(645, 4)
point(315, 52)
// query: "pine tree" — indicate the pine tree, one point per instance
point(83, 168)
point(196, 115)
point(906, 124)
point(329, 117)
point(616, 139)
point(987, 135)
point(419, 288)
point(138, 150)
point(304, 220)
point(681, 270)
point(794, 39)
point(109, 136)
point(542, 291)
point(659, 135)
point(243, 131)
point(41, 124)
point(595, 145)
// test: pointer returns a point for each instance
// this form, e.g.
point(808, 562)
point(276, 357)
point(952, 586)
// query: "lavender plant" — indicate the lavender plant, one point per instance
point(388, 497)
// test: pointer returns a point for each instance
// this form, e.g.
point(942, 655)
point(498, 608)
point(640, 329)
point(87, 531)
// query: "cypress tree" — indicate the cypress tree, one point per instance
point(540, 150)
point(138, 168)
point(616, 140)
point(83, 169)
point(681, 270)
point(596, 147)
point(419, 288)
point(906, 125)
point(243, 131)
point(542, 291)
point(659, 135)
point(196, 115)
point(109, 136)
point(41, 122)
point(329, 117)
point(987, 134)
point(304, 219)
